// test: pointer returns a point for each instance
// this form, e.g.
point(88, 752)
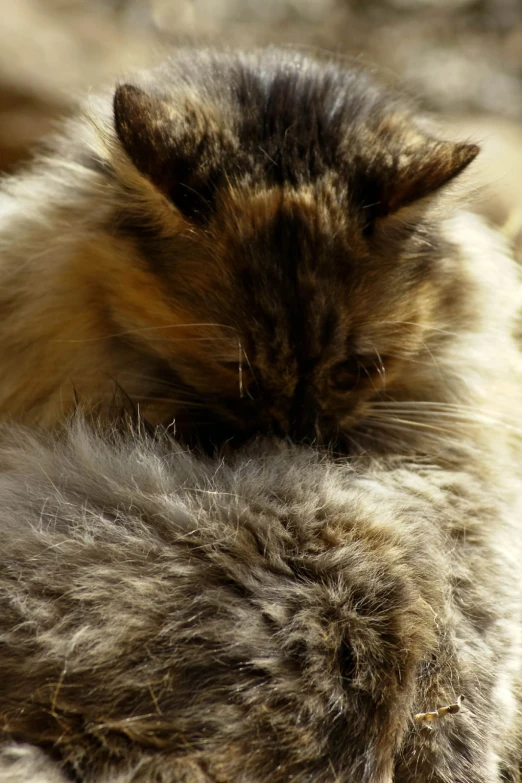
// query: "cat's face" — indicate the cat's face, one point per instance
point(293, 292)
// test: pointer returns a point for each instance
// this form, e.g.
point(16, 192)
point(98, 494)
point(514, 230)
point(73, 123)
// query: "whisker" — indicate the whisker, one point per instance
point(240, 348)
point(428, 328)
point(446, 410)
point(431, 435)
point(411, 359)
point(427, 403)
point(145, 329)
point(476, 421)
point(381, 369)
point(174, 401)
point(179, 392)
point(250, 367)
point(385, 421)
point(376, 435)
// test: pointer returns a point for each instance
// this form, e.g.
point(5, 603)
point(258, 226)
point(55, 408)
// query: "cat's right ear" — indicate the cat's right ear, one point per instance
point(145, 125)
point(168, 142)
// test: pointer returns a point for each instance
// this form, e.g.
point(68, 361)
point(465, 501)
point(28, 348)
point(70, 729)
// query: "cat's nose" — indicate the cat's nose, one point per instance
point(303, 432)
point(303, 422)
point(303, 415)
point(319, 431)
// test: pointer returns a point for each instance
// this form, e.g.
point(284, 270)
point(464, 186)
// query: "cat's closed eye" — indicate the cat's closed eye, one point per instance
point(347, 375)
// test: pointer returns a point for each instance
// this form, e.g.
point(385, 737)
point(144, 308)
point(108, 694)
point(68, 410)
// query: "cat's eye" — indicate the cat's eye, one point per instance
point(355, 370)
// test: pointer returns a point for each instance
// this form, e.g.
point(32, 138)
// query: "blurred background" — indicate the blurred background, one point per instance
point(461, 58)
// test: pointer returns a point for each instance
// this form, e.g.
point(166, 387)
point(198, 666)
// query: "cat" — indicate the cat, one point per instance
point(278, 616)
point(258, 244)
point(249, 243)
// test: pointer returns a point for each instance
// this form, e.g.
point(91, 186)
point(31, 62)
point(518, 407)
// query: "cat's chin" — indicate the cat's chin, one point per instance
point(221, 437)
point(216, 437)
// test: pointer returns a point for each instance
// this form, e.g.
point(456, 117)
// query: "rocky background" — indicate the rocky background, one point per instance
point(459, 57)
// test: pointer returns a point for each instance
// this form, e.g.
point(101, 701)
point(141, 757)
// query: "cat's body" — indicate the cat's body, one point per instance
point(278, 618)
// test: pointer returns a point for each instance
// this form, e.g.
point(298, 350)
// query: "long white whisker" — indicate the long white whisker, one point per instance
point(385, 421)
point(477, 421)
point(443, 410)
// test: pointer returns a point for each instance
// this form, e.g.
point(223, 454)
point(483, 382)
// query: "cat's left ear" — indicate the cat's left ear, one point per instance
point(421, 169)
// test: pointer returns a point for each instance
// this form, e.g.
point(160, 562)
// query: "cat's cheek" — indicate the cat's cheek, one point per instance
point(355, 412)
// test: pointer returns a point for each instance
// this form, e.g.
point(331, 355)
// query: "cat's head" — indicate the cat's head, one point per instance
point(281, 210)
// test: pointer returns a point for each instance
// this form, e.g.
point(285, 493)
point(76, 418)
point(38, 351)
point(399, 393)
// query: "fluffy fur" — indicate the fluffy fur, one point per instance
point(245, 243)
point(255, 243)
point(277, 617)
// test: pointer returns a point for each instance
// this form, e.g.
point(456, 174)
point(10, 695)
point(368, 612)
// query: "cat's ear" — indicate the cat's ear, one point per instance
point(144, 126)
point(405, 166)
point(169, 144)
point(422, 170)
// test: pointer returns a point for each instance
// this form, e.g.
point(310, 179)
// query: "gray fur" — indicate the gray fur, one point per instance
point(279, 617)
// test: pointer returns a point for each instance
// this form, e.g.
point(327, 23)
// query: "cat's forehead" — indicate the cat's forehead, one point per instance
point(281, 109)
point(274, 156)
point(268, 78)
